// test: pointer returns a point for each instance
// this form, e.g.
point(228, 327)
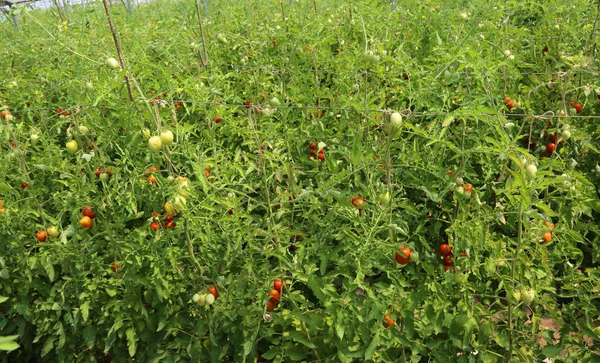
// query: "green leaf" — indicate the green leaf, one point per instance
point(3, 299)
point(371, 348)
point(552, 351)
point(85, 310)
point(316, 285)
point(49, 267)
point(48, 346)
point(131, 341)
point(8, 343)
point(89, 335)
point(300, 338)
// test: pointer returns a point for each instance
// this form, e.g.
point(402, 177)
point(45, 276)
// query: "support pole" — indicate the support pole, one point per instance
point(118, 47)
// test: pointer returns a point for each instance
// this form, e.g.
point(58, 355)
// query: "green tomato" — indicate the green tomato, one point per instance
point(384, 198)
point(274, 102)
point(72, 146)
point(527, 294)
point(530, 170)
point(166, 137)
point(210, 299)
point(396, 120)
point(112, 63)
point(155, 143)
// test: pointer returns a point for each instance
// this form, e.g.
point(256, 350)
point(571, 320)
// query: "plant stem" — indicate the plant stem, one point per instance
point(513, 272)
point(118, 47)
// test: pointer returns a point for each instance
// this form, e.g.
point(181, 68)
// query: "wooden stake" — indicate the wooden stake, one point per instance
point(284, 18)
point(205, 60)
point(118, 47)
point(60, 15)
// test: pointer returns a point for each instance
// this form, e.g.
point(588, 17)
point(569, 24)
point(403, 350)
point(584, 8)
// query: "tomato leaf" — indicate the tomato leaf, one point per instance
point(8, 343)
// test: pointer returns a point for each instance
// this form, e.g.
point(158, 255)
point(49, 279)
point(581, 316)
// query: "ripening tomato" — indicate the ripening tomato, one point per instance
point(445, 249)
point(85, 222)
point(115, 266)
point(206, 172)
point(404, 256)
point(447, 267)
point(387, 321)
point(468, 188)
point(547, 237)
point(270, 306)
point(275, 296)
point(41, 236)
point(151, 179)
point(448, 261)
point(4, 113)
point(218, 119)
point(213, 290)
point(87, 211)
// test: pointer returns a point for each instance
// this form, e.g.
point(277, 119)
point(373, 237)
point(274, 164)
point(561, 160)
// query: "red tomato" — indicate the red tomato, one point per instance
point(171, 224)
point(270, 306)
point(578, 108)
point(4, 113)
point(41, 236)
point(23, 185)
point(403, 260)
point(87, 211)
point(213, 290)
point(218, 119)
point(169, 219)
point(550, 148)
point(448, 261)
point(445, 249)
point(206, 172)
point(277, 284)
point(321, 156)
point(312, 146)
point(447, 267)
point(275, 296)
point(155, 226)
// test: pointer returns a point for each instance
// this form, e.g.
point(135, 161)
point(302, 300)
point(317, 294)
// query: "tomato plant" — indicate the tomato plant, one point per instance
point(404, 170)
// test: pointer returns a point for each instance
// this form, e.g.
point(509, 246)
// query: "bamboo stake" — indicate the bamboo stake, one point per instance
point(118, 47)
point(205, 60)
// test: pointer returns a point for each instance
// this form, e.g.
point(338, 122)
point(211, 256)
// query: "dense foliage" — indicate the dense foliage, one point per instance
point(436, 165)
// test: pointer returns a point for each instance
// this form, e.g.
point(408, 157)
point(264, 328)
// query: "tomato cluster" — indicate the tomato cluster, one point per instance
point(510, 103)
point(313, 151)
point(275, 294)
point(166, 223)
point(357, 201)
